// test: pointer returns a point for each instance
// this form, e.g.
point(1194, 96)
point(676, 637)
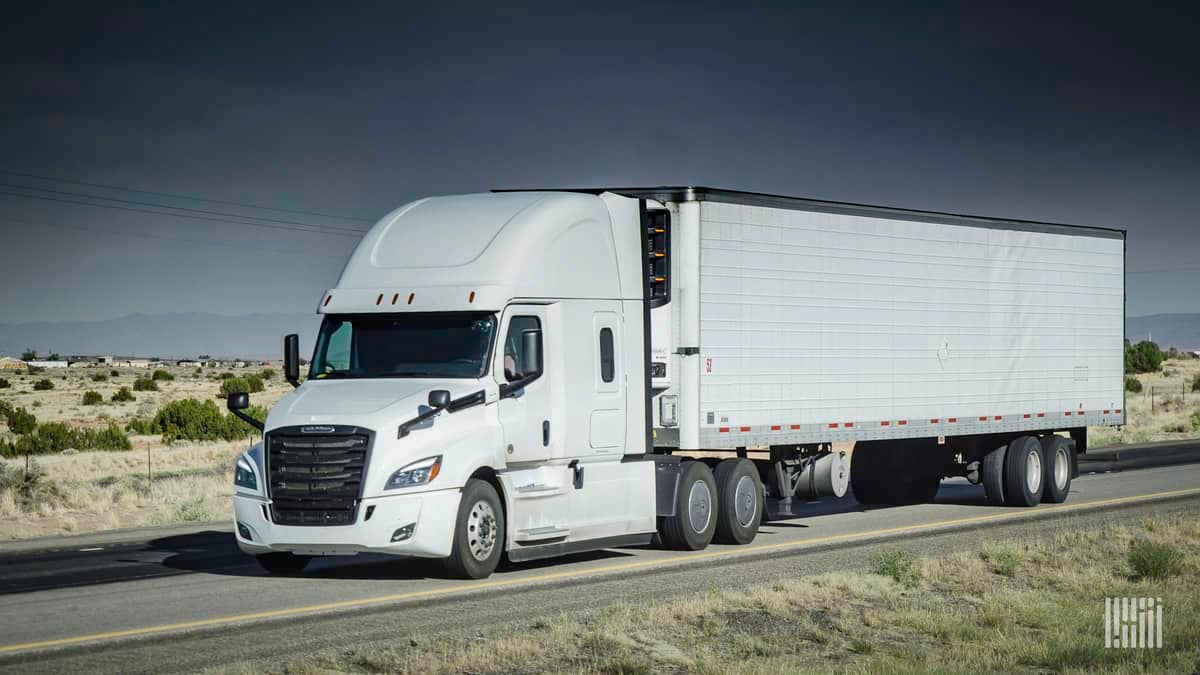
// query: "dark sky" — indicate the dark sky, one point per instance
point(1087, 115)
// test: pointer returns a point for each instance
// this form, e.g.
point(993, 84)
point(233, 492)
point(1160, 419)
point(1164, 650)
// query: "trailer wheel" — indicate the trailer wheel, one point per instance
point(1056, 455)
point(991, 473)
point(479, 532)
point(283, 563)
point(695, 520)
point(739, 501)
point(1024, 472)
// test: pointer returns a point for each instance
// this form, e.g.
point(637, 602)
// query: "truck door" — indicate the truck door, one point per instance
point(526, 416)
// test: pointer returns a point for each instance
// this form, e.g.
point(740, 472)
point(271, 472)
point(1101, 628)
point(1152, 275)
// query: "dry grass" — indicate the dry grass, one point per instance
point(1175, 404)
point(970, 612)
point(106, 490)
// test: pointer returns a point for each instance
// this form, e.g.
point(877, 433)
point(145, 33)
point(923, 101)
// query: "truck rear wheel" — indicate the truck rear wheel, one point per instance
point(1024, 472)
point(739, 501)
point(479, 532)
point(991, 472)
point(283, 563)
point(695, 521)
point(1056, 456)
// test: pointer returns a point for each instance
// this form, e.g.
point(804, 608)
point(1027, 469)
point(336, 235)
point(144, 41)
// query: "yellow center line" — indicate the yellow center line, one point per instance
point(568, 574)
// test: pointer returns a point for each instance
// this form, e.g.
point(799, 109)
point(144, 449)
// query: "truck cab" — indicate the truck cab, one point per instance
point(479, 387)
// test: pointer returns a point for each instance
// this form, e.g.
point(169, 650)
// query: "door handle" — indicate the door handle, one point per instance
point(546, 432)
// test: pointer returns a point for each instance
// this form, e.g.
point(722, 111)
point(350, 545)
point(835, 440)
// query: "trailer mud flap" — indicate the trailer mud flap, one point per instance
point(666, 484)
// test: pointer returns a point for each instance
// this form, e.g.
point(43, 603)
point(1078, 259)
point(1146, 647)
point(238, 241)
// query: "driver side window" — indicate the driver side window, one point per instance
point(513, 367)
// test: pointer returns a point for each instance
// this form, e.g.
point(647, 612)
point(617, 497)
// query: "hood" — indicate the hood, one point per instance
point(363, 397)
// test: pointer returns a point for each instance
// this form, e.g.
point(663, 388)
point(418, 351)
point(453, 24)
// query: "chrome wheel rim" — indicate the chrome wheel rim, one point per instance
point(1033, 472)
point(745, 506)
point(481, 530)
point(699, 506)
point(1062, 468)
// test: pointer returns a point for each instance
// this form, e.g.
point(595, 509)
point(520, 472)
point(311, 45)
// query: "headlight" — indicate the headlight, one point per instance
point(417, 473)
point(243, 475)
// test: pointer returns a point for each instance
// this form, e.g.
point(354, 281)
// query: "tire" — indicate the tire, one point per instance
point(1058, 463)
point(479, 532)
point(991, 473)
point(696, 496)
point(283, 563)
point(1024, 475)
point(739, 501)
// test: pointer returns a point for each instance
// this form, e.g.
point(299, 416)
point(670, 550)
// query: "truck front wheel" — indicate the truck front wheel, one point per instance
point(479, 532)
point(695, 520)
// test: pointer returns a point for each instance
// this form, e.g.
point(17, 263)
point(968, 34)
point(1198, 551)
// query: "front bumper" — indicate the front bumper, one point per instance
point(433, 514)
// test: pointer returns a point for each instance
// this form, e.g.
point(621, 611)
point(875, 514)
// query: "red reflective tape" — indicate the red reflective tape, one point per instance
point(1026, 416)
point(983, 419)
point(1106, 412)
point(952, 420)
point(1118, 411)
point(1041, 414)
point(724, 430)
point(933, 421)
point(795, 426)
point(775, 427)
point(902, 422)
point(884, 423)
point(743, 428)
point(1068, 413)
point(848, 424)
point(833, 425)
point(998, 417)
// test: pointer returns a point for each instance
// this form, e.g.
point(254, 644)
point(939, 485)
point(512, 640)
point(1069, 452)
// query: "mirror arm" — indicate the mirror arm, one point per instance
point(248, 419)
point(405, 427)
point(467, 401)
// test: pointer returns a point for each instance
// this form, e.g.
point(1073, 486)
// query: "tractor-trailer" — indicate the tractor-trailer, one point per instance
point(528, 373)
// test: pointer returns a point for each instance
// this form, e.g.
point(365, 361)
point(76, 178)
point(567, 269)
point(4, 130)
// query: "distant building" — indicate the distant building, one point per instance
point(48, 364)
point(187, 364)
point(137, 363)
point(10, 363)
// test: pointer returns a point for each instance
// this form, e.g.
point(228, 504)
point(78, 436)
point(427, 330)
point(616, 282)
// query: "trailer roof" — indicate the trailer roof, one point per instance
point(698, 193)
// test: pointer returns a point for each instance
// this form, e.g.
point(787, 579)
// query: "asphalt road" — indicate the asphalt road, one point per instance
point(185, 602)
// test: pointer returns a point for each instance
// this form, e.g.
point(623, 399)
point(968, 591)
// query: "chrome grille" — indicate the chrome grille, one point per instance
point(316, 478)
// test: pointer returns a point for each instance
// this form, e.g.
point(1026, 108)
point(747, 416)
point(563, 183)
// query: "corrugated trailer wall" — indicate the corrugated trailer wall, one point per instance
point(824, 326)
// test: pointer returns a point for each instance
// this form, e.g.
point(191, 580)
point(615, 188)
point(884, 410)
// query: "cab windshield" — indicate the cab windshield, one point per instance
point(443, 345)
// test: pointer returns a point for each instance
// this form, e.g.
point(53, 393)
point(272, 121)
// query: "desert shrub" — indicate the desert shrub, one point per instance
point(29, 488)
point(4, 384)
point(145, 384)
point(34, 370)
point(109, 438)
point(1152, 560)
point(92, 398)
point(1196, 383)
point(226, 376)
point(123, 394)
point(1132, 384)
point(161, 375)
point(1144, 357)
point(114, 373)
point(199, 421)
point(901, 566)
point(140, 426)
point(269, 374)
point(99, 377)
point(21, 421)
point(43, 385)
point(250, 384)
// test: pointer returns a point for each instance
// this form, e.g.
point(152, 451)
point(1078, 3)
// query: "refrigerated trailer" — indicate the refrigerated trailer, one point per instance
point(528, 373)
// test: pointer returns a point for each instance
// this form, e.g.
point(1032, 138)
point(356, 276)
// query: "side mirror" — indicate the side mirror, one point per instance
point(439, 398)
point(238, 401)
point(291, 359)
point(531, 354)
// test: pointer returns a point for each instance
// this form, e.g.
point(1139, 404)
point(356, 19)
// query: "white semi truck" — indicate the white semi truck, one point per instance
point(524, 374)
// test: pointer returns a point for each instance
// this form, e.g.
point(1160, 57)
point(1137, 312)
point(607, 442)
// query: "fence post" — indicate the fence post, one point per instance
point(149, 473)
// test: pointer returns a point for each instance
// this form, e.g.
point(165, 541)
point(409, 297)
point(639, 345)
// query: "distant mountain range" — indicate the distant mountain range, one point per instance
point(184, 335)
point(1181, 331)
point(261, 335)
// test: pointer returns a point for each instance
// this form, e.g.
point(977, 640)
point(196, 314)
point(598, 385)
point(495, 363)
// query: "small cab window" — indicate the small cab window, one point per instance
point(517, 326)
point(607, 361)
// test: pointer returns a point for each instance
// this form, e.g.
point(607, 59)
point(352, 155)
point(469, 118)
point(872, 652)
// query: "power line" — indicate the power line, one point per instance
point(187, 197)
point(178, 208)
point(338, 233)
point(139, 235)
